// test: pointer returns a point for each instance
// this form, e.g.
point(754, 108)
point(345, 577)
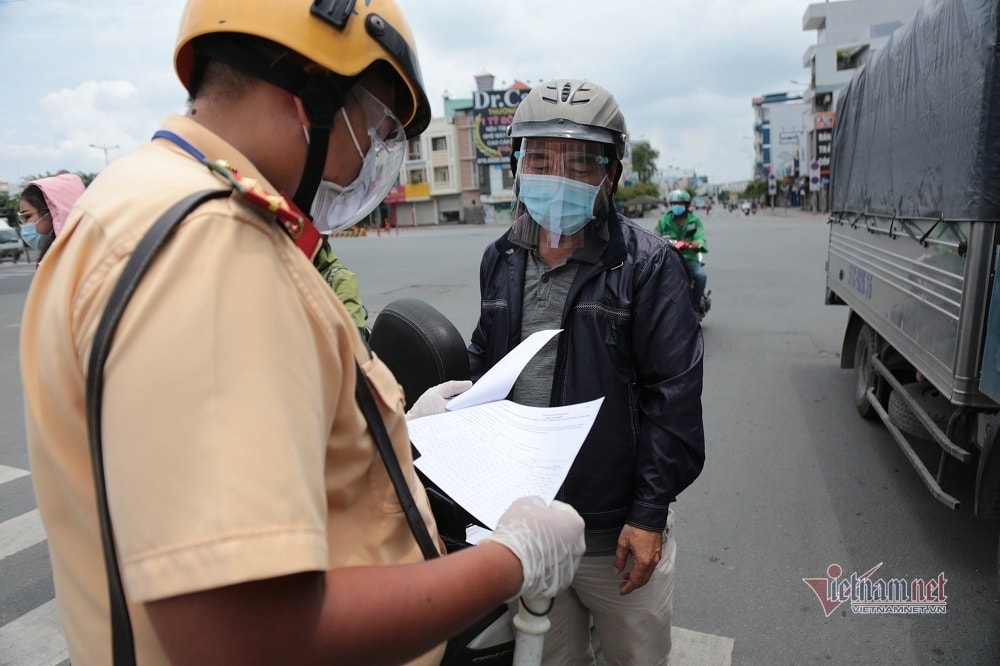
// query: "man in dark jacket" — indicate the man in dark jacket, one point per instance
point(630, 334)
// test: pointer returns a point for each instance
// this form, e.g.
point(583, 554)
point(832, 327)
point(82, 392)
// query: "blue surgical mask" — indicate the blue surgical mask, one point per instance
point(561, 205)
point(31, 237)
point(678, 210)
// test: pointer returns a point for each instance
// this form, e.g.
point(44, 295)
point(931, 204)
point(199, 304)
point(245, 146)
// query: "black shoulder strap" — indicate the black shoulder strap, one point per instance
point(417, 525)
point(122, 643)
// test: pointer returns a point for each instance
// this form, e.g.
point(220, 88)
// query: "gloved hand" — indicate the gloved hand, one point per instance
point(547, 539)
point(435, 398)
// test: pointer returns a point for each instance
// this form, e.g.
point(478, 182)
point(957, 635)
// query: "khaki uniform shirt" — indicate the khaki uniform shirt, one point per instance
point(234, 448)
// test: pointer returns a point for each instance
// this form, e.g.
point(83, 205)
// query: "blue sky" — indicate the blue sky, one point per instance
point(84, 73)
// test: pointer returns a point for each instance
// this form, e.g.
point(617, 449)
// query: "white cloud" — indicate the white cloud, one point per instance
point(684, 73)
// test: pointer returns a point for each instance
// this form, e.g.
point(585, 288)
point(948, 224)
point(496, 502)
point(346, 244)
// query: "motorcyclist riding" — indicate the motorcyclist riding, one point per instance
point(687, 232)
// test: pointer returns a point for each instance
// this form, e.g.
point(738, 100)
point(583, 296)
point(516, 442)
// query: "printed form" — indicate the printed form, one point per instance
point(487, 454)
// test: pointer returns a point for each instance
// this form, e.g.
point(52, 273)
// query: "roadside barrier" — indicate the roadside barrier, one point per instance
point(353, 231)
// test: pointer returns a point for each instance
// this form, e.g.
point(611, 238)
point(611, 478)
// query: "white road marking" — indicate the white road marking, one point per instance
point(34, 639)
point(11, 473)
point(692, 648)
point(21, 532)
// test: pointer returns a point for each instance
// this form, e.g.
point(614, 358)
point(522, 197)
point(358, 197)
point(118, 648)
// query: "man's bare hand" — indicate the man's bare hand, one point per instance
point(645, 548)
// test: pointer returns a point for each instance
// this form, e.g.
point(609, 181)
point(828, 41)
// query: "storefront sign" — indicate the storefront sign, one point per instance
point(492, 112)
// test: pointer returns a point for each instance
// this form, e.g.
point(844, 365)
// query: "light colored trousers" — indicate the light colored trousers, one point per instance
point(634, 630)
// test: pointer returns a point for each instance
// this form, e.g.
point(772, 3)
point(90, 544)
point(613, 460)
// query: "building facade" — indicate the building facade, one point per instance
point(848, 33)
point(449, 173)
point(770, 138)
point(429, 190)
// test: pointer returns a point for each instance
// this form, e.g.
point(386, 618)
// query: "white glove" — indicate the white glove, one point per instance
point(547, 539)
point(435, 398)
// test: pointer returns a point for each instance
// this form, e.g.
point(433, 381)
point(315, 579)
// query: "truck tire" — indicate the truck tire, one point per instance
point(865, 375)
point(930, 400)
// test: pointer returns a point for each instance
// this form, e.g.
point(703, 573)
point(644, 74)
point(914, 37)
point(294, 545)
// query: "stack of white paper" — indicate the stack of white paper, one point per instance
point(485, 452)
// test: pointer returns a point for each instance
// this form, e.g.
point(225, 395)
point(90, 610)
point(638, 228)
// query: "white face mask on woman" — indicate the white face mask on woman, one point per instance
point(337, 207)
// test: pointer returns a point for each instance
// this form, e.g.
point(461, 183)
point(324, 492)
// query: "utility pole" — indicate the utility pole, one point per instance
point(105, 148)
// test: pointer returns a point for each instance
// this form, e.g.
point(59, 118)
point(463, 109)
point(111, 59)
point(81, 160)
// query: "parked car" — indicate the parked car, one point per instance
point(11, 246)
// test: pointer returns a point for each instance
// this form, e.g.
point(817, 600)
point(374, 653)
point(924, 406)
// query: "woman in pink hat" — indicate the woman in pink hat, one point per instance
point(45, 203)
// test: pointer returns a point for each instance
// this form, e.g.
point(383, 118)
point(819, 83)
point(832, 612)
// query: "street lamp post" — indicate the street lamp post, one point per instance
point(105, 148)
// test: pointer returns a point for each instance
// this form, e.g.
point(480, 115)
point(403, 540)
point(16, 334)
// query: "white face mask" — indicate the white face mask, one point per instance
point(337, 207)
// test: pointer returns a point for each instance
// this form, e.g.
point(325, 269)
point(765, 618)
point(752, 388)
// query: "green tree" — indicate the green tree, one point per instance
point(644, 160)
point(629, 192)
point(756, 189)
point(8, 208)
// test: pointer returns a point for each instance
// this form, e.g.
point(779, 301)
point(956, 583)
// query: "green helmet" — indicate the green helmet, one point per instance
point(679, 196)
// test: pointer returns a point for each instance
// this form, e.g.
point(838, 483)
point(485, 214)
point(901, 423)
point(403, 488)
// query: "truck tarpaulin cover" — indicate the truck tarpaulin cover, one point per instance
point(917, 133)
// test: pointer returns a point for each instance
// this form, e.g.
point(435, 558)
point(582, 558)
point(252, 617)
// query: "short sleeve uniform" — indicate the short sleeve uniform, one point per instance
point(234, 447)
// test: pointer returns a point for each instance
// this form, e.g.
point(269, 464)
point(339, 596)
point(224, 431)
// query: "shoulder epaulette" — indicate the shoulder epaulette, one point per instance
point(296, 223)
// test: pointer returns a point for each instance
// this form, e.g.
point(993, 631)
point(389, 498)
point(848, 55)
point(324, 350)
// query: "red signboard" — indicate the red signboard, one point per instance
point(824, 120)
point(396, 195)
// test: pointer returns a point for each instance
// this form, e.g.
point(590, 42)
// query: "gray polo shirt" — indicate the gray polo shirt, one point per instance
point(544, 298)
point(543, 301)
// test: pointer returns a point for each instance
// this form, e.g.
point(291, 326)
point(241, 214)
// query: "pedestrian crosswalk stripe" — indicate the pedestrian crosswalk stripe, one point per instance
point(21, 532)
point(34, 639)
point(693, 648)
point(11, 473)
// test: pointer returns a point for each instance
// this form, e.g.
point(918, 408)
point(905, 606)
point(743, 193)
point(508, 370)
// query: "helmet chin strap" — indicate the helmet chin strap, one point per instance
point(322, 98)
point(312, 172)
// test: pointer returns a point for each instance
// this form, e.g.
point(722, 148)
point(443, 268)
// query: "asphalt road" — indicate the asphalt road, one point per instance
point(794, 480)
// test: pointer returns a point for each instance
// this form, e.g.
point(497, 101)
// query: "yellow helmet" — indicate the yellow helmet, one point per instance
point(341, 36)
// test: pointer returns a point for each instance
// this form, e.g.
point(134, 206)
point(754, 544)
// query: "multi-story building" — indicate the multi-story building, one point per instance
point(430, 190)
point(450, 174)
point(848, 33)
point(774, 120)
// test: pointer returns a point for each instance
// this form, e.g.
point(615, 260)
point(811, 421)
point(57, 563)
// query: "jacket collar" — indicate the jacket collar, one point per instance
point(614, 252)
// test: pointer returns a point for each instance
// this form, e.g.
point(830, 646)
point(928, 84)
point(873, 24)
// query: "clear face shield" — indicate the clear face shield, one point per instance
point(561, 185)
point(337, 207)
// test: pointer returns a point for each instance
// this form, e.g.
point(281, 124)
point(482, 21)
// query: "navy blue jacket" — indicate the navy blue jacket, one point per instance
point(631, 335)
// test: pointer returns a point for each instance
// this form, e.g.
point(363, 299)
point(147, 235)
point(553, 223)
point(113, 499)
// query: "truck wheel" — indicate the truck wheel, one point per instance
point(865, 375)
point(930, 400)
